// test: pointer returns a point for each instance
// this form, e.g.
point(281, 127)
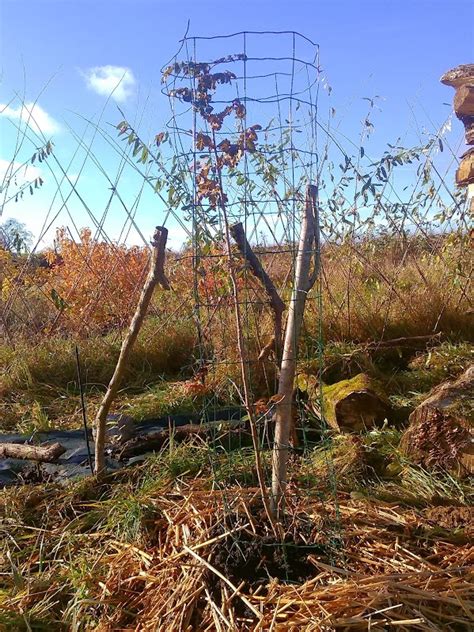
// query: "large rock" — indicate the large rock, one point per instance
point(441, 430)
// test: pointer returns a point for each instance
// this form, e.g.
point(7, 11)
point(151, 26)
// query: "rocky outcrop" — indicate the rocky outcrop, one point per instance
point(461, 79)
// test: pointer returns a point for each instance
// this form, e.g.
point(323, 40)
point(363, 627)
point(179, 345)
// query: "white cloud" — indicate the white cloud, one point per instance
point(33, 115)
point(115, 81)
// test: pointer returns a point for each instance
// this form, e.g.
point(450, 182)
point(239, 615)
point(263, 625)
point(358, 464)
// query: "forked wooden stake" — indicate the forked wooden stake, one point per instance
point(156, 275)
point(306, 273)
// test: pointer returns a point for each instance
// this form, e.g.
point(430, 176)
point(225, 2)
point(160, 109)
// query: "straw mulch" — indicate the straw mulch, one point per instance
point(372, 567)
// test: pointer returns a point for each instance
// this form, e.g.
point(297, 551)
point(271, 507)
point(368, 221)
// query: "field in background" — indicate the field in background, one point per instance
point(371, 291)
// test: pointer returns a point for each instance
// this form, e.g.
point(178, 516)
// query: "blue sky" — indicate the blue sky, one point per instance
point(66, 54)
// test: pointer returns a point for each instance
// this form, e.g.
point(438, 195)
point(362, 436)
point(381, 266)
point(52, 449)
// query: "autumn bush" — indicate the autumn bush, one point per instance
point(93, 284)
point(24, 308)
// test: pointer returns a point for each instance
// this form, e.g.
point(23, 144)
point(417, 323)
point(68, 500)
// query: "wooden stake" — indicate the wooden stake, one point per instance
point(276, 303)
point(307, 258)
point(156, 275)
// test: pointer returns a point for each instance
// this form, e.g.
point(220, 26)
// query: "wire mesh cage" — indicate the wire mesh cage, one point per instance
point(244, 133)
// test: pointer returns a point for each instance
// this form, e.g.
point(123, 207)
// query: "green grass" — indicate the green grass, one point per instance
point(417, 487)
point(370, 466)
point(159, 400)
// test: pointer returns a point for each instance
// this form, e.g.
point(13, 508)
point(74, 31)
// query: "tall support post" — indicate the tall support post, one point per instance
point(306, 272)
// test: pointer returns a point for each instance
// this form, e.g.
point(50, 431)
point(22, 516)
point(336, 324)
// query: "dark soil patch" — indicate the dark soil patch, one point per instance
point(254, 560)
point(246, 557)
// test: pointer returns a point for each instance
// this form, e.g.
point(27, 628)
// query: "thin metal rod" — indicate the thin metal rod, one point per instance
point(83, 409)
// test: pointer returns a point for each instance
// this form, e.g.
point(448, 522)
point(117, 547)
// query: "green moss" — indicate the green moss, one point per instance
point(333, 394)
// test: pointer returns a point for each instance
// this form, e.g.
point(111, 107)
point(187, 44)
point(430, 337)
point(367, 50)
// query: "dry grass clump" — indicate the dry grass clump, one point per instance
point(205, 559)
point(43, 376)
point(53, 361)
point(380, 289)
point(415, 585)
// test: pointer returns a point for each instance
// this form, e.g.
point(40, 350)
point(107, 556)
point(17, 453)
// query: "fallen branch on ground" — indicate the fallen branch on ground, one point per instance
point(43, 453)
point(155, 440)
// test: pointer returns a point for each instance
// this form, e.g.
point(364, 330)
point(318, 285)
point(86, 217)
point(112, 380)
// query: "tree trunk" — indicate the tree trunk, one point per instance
point(356, 404)
point(441, 429)
point(308, 251)
point(155, 275)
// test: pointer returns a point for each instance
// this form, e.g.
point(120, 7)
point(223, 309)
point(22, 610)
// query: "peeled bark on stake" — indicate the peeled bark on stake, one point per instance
point(305, 278)
point(276, 303)
point(156, 275)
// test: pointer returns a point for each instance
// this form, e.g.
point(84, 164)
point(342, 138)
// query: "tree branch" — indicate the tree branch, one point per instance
point(276, 303)
point(43, 453)
point(156, 275)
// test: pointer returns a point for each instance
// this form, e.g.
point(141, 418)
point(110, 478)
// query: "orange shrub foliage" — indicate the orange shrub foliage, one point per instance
point(8, 273)
point(211, 276)
point(94, 285)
